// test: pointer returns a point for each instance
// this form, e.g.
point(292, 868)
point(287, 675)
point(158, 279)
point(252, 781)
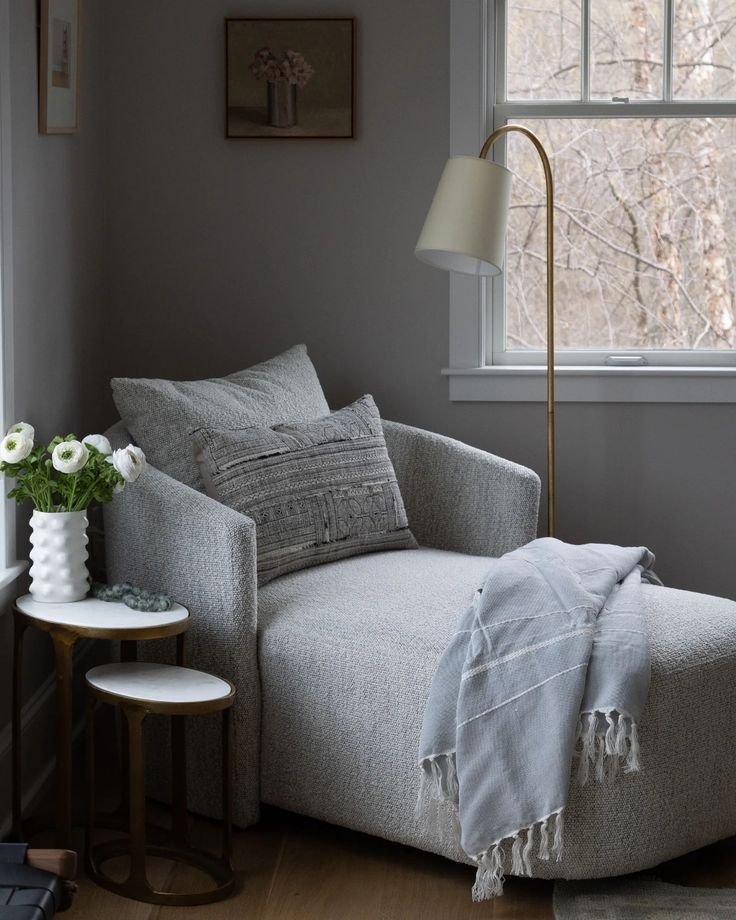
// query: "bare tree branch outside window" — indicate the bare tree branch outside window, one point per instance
point(645, 214)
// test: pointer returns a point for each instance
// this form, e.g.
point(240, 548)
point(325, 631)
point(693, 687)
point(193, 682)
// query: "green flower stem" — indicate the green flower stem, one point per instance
point(74, 478)
point(83, 501)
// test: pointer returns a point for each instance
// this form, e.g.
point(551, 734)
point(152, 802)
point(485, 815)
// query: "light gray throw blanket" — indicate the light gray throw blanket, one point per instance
point(551, 660)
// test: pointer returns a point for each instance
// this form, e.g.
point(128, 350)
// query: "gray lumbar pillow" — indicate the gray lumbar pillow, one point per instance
point(318, 491)
point(161, 414)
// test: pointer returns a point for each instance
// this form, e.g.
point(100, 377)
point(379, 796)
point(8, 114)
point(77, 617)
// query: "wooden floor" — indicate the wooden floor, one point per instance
point(291, 868)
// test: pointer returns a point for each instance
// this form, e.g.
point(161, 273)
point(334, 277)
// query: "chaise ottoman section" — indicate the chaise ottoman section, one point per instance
point(347, 652)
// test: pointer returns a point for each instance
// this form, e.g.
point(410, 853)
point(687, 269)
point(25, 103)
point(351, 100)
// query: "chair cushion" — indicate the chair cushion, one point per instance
point(347, 653)
point(161, 414)
point(318, 491)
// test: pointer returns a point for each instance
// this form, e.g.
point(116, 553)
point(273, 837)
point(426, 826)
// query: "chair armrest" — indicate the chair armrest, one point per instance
point(165, 536)
point(461, 498)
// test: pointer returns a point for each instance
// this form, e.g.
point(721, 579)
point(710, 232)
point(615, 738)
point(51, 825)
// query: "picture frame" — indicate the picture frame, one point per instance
point(58, 71)
point(290, 78)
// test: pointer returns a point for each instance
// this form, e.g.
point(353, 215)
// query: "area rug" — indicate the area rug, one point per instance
point(641, 898)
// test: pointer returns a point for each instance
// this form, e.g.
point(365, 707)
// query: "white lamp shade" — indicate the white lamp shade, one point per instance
point(465, 229)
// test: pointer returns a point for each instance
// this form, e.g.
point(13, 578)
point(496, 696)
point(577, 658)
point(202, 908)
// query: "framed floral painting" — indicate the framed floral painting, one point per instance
point(290, 78)
point(58, 72)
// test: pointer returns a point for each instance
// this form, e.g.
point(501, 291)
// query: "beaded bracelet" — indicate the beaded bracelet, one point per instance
point(135, 598)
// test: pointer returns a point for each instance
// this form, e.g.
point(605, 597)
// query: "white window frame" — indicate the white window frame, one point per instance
point(480, 368)
point(10, 568)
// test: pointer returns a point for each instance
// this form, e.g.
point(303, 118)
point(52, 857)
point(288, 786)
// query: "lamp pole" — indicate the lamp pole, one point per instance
point(490, 141)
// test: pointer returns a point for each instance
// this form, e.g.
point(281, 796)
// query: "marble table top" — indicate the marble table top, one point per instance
point(157, 683)
point(93, 614)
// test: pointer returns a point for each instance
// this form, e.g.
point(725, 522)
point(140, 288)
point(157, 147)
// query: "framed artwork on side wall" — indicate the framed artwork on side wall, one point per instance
point(290, 78)
point(58, 71)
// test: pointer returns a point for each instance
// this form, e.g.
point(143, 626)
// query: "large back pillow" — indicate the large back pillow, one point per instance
point(162, 414)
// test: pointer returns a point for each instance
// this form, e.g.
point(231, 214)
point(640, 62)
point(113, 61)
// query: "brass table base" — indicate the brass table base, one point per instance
point(64, 638)
point(135, 844)
point(140, 890)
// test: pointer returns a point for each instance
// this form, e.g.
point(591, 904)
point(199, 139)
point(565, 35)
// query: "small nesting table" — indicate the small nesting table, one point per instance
point(140, 688)
point(66, 623)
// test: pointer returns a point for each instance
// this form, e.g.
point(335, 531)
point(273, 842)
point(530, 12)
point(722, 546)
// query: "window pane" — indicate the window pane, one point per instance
point(626, 42)
point(543, 49)
point(704, 52)
point(645, 220)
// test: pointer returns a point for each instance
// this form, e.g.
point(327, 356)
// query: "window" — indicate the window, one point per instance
point(635, 102)
point(645, 217)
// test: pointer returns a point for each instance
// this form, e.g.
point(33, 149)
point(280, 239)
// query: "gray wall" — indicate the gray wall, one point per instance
point(58, 215)
point(223, 252)
point(58, 267)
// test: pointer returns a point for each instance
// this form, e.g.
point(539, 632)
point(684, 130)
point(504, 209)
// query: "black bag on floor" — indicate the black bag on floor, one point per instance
point(26, 893)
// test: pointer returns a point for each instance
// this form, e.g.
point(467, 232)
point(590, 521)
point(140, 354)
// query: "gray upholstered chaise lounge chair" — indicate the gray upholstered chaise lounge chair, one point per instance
point(333, 664)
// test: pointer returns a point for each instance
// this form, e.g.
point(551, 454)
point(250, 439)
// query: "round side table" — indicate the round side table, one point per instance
point(138, 689)
point(66, 623)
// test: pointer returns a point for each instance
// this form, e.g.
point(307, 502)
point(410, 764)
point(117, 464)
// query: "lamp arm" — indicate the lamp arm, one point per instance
point(490, 141)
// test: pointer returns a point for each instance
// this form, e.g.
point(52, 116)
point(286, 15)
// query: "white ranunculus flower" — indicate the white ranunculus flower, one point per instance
point(69, 456)
point(28, 431)
point(129, 461)
point(99, 442)
point(15, 447)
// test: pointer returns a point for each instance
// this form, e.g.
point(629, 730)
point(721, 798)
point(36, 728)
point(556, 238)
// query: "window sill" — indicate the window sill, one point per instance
point(8, 576)
point(525, 383)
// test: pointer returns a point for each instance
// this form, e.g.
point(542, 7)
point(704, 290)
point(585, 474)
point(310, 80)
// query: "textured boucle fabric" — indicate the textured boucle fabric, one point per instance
point(161, 414)
point(164, 536)
point(460, 498)
point(347, 653)
point(318, 491)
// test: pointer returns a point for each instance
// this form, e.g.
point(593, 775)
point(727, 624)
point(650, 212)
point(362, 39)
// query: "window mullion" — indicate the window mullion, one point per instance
point(499, 45)
point(601, 109)
point(493, 290)
point(585, 51)
point(669, 27)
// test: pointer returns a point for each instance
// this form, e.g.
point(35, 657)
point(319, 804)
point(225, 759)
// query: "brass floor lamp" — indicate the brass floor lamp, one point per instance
point(465, 231)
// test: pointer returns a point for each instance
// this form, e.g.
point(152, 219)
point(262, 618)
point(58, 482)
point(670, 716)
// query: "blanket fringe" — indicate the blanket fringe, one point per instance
point(543, 853)
point(517, 863)
point(526, 855)
point(632, 759)
point(439, 779)
point(437, 799)
point(607, 740)
point(489, 878)
point(557, 843)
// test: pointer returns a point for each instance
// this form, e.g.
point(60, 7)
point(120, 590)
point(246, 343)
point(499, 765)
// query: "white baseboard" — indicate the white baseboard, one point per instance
point(38, 720)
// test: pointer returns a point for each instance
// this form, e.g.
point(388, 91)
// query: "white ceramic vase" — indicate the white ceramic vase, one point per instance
point(58, 571)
